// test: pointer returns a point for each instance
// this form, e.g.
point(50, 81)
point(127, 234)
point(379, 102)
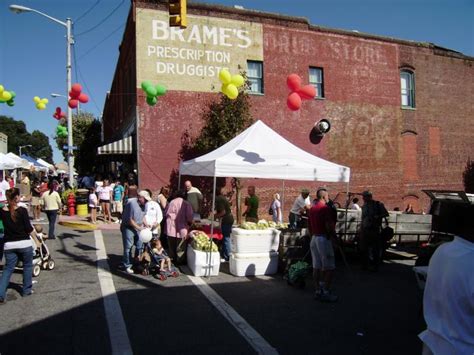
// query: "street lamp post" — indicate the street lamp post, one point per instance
point(23, 146)
point(68, 24)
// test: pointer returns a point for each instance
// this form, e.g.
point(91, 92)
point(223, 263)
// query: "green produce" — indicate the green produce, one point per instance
point(201, 243)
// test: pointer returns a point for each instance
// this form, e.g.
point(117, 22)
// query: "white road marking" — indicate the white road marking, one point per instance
point(256, 341)
point(117, 330)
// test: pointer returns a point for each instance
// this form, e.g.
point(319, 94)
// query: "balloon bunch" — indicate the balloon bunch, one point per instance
point(298, 92)
point(152, 92)
point(230, 83)
point(76, 95)
point(59, 114)
point(7, 96)
point(40, 103)
point(61, 131)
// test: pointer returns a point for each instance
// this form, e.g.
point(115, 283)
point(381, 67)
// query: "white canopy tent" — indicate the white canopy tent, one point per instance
point(6, 163)
point(260, 152)
point(20, 162)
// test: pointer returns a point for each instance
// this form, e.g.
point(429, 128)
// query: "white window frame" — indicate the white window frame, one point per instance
point(256, 82)
point(318, 83)
point(407, 88)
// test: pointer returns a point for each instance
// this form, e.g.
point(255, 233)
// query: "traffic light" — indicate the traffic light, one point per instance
point(318, 131)
point(177, 10)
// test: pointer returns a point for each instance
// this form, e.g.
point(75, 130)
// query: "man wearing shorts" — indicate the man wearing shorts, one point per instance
point(322, 228)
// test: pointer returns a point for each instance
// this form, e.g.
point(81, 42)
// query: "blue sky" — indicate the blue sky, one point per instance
point(33, 49)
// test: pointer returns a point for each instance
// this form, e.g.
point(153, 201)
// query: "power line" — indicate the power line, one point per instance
point(89, 10)
point(102, 21)
point(87, 88)
point(102, 41)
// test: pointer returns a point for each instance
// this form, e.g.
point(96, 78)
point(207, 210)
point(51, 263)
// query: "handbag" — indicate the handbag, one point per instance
point(387, 232)
point(270, 210)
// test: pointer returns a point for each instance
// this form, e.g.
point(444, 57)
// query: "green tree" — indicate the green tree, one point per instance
point(86, 136)
point(468, 177)
point(18, 136)
point(223, 120)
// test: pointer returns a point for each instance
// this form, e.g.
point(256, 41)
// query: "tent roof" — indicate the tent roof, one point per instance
point(20, 162)
point(260, 152)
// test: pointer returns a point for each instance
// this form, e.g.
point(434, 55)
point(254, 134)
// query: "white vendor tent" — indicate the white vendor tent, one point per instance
point(20, 162)
point(6, 163)
point(260, 152)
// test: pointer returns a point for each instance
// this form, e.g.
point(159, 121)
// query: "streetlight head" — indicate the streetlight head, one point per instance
point(56, 95)
point(18, 9)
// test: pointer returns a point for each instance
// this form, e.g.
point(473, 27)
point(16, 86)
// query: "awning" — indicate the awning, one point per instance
point(123, 146)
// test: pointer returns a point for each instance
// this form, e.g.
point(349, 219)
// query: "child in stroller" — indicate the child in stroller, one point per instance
point(154, 259)
point(159, 256)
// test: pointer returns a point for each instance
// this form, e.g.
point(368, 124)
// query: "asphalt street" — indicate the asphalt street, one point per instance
point(74, 311)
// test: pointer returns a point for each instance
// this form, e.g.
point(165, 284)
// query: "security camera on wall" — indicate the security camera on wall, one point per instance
point(318, 131)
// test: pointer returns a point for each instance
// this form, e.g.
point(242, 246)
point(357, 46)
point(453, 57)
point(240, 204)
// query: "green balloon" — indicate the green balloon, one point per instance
point(11, 102)
point(150, 91)
point(13, 94)
point(145, 85)
point(151, 100)
point(160, 90)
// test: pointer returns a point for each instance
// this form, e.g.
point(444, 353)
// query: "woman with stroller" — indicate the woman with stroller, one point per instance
point(17, 228)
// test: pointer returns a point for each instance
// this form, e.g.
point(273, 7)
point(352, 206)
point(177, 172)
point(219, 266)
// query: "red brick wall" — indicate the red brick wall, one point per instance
point(362, 101)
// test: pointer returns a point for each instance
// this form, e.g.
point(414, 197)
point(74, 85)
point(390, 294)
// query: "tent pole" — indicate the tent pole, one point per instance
point(212, 225)
point(179, 180)
point(282, 199)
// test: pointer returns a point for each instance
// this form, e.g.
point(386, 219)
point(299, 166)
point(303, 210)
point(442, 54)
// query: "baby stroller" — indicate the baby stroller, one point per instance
point(42, 259)
point(150, 265)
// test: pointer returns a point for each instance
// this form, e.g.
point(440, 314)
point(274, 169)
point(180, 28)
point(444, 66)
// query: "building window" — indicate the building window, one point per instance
point(316, 79)
point(407, 83)
point(255, 76)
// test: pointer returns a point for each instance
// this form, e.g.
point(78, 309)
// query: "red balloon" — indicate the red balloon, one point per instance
point(294, 101)
point(73, 103)
point(83, 98)
point(293, 81)
point(76, 89)
point(307, 92)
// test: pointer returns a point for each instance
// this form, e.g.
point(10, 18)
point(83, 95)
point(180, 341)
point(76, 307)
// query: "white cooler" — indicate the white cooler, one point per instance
point(254, 264)
point(198, 262)
point(255, 241)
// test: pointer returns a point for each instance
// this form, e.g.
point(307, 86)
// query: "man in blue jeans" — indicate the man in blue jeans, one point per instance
point(223, 212)
point(132, 219)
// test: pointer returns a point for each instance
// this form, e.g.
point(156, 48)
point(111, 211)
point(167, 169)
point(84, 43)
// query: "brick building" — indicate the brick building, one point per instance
point(402, 112)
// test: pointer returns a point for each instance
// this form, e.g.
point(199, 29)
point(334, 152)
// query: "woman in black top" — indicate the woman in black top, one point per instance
point(18, 245)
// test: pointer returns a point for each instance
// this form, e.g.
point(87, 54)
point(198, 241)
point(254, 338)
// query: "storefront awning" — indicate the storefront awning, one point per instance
point(123, 146)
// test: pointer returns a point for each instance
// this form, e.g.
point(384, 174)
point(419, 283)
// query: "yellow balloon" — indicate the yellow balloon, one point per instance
point(36, 99)
point(41, 106)
point(1, 88)
point(224, 76)
point(232, 92)
point(237, 80)
point(6, 95)
point(45, 101)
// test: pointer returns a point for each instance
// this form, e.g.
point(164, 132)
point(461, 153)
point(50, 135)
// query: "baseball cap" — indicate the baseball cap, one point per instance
point(145, 194)
point(367, 193)
point(304, 191)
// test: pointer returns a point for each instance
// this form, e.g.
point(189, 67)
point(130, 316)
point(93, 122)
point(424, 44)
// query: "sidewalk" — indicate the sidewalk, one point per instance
point(100, 225)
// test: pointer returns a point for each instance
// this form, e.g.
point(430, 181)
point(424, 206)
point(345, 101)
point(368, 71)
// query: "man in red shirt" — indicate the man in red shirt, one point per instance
point(322, 228)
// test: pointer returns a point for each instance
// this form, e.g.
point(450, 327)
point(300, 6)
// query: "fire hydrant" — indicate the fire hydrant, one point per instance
point(71, 204)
